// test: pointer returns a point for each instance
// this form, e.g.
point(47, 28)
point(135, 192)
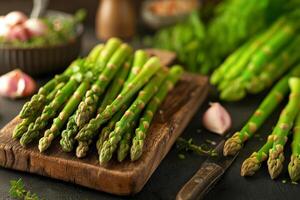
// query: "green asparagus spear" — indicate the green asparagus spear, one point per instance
point(278, 66)
point(59, 122)
point(220, 72)
point(38, 100)
point(87, 108)
point(90, 129)
point(285, 124)
point(253, 46)
point(271, 101)
point(107, 52)
point(95, 53)
point(116, 86)
point(135, 109)
point(140, 58)
point(68, 135)
point(237, 90)
point(253, 163)
point(294, 165)
point(112, 92)
point(49, 112)
point(140, 133)
point(22, 127)
point(125, 143)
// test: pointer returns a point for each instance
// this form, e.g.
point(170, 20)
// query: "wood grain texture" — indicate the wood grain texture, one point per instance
point(117, 178)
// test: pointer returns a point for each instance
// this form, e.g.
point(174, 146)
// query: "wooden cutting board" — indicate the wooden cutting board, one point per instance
point(117, 178)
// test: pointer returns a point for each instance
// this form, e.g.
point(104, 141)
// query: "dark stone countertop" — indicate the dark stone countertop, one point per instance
point(172, 172)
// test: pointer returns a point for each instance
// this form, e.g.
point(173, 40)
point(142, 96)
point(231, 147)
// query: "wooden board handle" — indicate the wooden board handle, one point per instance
point(201, 182)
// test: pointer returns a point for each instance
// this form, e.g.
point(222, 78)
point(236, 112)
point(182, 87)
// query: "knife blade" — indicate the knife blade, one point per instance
point(207, 176)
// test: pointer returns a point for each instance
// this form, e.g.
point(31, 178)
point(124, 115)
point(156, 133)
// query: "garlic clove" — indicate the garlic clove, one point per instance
point(216, 119)
point(16, 84)
point(36, 27)
point(15, 18)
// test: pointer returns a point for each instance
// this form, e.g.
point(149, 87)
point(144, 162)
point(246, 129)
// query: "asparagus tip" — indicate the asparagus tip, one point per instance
point(44, 143)
point(82, 149)
point(275, 163)
point(232, 145)
point(294, 168)
point(250, 166)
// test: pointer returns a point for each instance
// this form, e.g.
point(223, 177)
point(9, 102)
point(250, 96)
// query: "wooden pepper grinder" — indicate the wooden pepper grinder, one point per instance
point(115, 18)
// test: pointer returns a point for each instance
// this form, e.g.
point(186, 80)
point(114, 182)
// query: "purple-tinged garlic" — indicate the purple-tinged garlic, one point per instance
point(17, 84)
point(216, 119)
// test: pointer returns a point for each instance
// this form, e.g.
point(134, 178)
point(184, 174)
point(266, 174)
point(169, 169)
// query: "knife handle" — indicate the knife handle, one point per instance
point(201, 182)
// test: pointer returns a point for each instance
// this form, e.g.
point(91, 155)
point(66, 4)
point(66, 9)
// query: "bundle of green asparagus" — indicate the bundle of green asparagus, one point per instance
point(276, 141)
point(110, 97)
point(260, 62)
point(202, 42)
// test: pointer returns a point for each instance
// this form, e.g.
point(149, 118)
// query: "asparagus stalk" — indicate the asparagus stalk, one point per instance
point(22, 127)
point(220, 72)
point(116, 86)
point(285, 124)
point(107, 52)
point(254, 45)
point(110, 95)
point(67, 140)
point(152, 107)
point(140, 58)
point(124, 146)
point(278, 66)
point(253, 163)
point(135, 109)
point(237, 90)
point(68, 135)
point(294, 165)
point(59, 122)
point(95, 53)
point(87, 108)
point(90, 129)
point(271, 101)
point(49, 112)
point(38, 101)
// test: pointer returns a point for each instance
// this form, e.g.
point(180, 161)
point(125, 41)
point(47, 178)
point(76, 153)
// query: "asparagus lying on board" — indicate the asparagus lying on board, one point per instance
point(95, 53)
point(67, 140)
point(271, 101)
point(140, 58)
point(116, 86)
point(68, 135)
point(237, 90)
point(125, 143)
point(67, 111)
point(88, 107)
point(38, 100)
point(294, 165)
point(49, 112)
point(135, 109)
point(149, 69)
point(276, 68)
point(107, 52)
point(111, 93)
point(285, 124)
point(140, 133)
point(22, 127)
